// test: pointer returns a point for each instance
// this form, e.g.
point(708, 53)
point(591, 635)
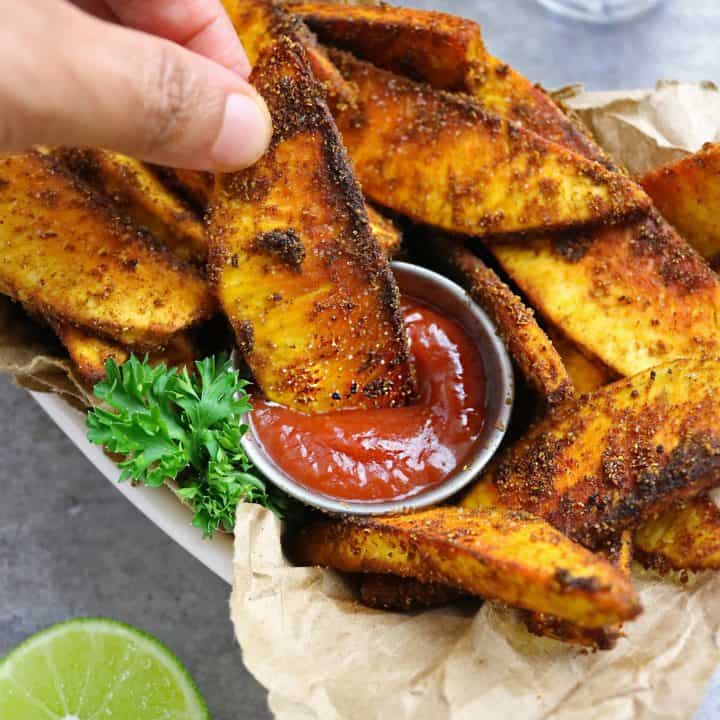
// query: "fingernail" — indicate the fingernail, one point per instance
point(244, 134)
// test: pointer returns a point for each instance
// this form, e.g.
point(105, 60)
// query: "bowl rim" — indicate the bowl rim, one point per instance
point(493, 431)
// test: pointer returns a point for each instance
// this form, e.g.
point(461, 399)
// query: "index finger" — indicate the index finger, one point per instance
point(202, 26)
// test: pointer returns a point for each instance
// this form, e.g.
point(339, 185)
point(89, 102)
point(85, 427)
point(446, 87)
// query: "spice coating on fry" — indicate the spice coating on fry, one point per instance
point(260, 23)
point(497, 554)
point(633, 295)
point(527, 342)
point(684, 537)
point(600, 465)
point(72, 257)
point(687, 193)
point(139, 193)
point(402, 594)
point(296, 265)
point(446, 161)
point(440, 49)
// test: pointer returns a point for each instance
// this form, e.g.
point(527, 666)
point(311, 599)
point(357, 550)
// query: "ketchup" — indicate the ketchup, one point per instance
point(391, 453)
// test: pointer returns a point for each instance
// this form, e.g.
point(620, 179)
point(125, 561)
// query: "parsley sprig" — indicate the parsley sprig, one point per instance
point(186, 427)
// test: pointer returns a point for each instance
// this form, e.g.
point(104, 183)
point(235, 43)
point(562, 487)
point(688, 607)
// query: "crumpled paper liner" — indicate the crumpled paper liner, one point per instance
point(35, 359)
point(644, 129)
point(323, 656)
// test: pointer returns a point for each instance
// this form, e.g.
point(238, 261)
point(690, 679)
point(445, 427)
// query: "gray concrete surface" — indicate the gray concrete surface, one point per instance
point(70, 545)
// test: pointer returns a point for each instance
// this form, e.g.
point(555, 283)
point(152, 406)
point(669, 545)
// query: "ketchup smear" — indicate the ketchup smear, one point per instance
point(391, 453)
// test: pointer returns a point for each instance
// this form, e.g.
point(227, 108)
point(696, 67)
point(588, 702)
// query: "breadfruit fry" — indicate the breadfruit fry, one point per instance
point(440, 49)
point(392, 592)
point(260, 23)
point(385, 231)
point(140, 194)
point(447, 53)
point(89, 352)
point(687, 193)
point(527, 342)
point(685, 537)
point(586, 375)
point(633, 295)
point(620, 555)
point(444, 160)
point(506, 92)
point(497, 554)
point(305, 285)
point(599, 465)
point(192, 185)
point(69, 256)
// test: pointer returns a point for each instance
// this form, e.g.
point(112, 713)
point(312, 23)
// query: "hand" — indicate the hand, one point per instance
point(161, 80)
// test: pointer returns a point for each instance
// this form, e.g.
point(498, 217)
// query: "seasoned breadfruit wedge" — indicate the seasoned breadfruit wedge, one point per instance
point(633, 295)
point(142, 196)
point(447, 53)
point(444, 160)
point(601, 464)
point(684, 537)
point(503, 90)
point(194, 186)
point(68, 255)
point(299, 274)
point(260, 23)
point(529, 345)
point(440, 49)
point(620, 554)
point(496, 554)
point(687, 193)
point(89, 352)
point(385, 231)
point(404, 594)
point(586, 374)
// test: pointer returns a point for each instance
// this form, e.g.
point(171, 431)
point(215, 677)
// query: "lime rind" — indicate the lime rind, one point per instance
point(118, 664)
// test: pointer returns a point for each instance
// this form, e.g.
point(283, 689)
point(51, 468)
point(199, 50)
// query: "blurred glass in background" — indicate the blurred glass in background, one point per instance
point(600, 11)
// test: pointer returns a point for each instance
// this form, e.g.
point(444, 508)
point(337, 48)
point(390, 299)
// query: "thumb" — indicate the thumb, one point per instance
point(95, 83)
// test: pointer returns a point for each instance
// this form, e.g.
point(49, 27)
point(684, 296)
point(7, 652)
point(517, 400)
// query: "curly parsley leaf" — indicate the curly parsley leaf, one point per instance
point(186, 427)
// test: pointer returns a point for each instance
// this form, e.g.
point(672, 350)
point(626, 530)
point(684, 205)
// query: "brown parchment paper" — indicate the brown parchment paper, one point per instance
point(323, 656)
point(34, 357)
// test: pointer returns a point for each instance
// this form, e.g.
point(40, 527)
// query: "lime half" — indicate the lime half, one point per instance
point(96, 669)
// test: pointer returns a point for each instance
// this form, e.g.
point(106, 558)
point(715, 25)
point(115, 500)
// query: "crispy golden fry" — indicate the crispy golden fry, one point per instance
point(687, 193)
point(142, 196)
point(259, 23)
point(442, 50)
point(392, 592)
point(89, 352)
point(445, 161)
point(310, 295)
point(685, 537)
point(447, 53)
point(619, 553)
point(68, 256)
point(598, 466)
point(386, 232)
point(511, 95)
point(527, 342)
point(551, 626)
point(633, 295)
point(192, 185)
point(586, 374)
point(497, 554)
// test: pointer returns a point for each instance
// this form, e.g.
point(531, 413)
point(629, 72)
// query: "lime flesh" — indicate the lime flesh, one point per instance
point(96, 669)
